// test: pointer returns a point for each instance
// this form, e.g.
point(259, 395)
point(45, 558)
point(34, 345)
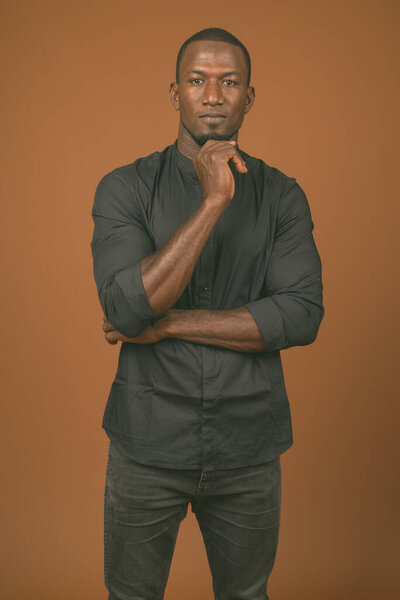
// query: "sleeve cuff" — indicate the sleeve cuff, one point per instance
point(269, 321)
point(131, 283)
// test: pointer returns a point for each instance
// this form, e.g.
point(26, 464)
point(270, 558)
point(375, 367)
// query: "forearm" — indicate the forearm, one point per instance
point(234, 329)
point(166, 273)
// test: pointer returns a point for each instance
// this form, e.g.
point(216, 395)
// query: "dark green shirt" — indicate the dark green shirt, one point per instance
point(180, 404)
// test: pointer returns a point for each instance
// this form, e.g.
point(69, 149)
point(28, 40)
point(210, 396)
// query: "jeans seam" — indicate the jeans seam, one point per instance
point(106, 498)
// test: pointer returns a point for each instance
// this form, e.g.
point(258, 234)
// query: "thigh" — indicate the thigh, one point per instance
point(142, 514)
point(239, 519)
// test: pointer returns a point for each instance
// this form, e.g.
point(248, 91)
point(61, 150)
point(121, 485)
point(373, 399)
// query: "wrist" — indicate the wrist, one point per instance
point(213, 206)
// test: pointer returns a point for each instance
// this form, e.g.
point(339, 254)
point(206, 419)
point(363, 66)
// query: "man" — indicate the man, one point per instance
point(206, 267)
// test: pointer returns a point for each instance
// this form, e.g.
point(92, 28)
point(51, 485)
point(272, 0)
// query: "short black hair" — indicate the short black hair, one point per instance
point(214, 34)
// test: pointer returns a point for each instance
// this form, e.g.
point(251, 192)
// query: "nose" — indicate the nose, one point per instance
point(213, 93)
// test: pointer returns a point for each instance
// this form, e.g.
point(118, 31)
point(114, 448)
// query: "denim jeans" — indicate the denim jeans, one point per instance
point(238, 512)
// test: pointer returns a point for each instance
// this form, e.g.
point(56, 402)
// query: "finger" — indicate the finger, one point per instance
point(237, 159)
point(111, 338)
point(108, 327)
point(239, 163)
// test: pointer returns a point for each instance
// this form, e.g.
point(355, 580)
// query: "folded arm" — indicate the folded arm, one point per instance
point(290, 311)
point(234, 329)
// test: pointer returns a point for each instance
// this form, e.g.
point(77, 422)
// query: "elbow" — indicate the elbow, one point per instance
point(308, 338)
point(121, 314)
point(129, 328)
point(307, 333)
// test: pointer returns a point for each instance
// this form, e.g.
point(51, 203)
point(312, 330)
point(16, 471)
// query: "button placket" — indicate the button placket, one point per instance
point(206, 273)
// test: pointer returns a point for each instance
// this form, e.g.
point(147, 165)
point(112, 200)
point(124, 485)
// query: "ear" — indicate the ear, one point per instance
point(250, 98)
point(174, 95)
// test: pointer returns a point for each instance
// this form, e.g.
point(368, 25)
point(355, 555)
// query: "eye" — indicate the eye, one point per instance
point(191, 81)
point(231, 80)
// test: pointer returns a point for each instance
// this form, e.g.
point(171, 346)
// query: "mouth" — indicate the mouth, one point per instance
point(212, 118)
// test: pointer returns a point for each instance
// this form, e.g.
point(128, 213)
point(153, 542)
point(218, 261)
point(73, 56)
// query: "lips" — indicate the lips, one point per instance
point(211, 119)
point(213, 116)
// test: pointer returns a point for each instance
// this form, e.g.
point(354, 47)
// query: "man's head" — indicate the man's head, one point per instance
point(213, 71)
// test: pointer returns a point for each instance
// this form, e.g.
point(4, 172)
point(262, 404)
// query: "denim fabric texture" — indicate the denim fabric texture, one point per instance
point(238, 512)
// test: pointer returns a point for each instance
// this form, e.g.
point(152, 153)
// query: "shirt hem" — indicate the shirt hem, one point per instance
point(125, 446)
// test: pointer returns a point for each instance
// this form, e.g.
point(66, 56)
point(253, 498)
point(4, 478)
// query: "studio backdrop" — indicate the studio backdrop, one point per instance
point(85, 89)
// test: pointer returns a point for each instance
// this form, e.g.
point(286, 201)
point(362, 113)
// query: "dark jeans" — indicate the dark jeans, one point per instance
point(238, 511)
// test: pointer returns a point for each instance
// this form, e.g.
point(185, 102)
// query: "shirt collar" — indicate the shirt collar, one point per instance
point(184, 162)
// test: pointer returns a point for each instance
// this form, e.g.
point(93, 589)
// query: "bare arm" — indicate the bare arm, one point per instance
point(234, 328)
point(166, 273)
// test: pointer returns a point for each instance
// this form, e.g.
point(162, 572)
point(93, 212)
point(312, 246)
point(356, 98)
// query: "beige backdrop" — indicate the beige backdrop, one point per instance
point(85, 89)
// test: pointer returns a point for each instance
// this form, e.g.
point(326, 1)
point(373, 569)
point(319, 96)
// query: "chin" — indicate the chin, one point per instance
point(212, 135)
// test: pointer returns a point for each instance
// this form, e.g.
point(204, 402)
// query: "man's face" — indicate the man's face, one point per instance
point(212, 80)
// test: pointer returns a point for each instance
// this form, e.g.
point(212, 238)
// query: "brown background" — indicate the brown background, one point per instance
point(85, 89)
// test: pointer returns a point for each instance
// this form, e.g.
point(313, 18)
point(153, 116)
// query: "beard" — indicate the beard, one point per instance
point(211, 135)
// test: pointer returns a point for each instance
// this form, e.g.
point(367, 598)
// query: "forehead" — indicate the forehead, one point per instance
point(213, 57)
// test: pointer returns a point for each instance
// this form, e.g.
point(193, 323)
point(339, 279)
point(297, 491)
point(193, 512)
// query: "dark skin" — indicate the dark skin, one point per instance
point(212, 79)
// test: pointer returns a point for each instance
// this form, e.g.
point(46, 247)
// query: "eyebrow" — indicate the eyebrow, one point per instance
point(223, 74)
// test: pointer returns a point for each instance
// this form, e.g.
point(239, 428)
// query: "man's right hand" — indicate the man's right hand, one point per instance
point(215, 176)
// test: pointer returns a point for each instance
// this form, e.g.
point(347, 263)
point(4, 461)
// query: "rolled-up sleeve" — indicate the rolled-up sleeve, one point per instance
point(292, 309)
point(119, 242)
